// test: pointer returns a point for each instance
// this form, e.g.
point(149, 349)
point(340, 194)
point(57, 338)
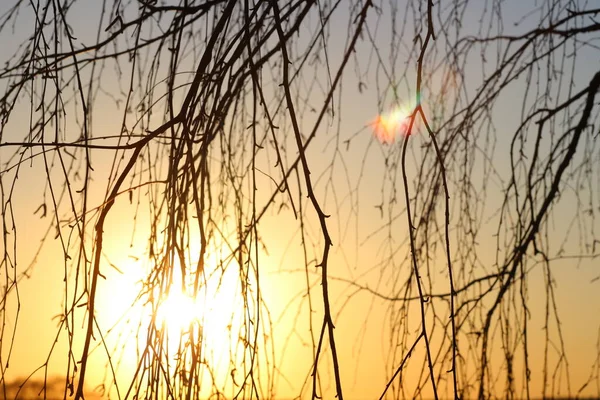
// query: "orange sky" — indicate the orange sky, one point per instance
point(365, 251)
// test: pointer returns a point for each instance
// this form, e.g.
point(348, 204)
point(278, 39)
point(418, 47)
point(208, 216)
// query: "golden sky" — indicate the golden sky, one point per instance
point(355, 169)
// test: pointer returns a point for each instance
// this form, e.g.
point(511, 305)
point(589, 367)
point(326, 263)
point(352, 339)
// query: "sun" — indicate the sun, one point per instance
point(178, 312)
point(390, 125)
point(172, 322)
point(208, 316)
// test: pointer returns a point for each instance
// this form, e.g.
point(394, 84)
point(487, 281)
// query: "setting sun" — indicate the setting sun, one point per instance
point(178, 311)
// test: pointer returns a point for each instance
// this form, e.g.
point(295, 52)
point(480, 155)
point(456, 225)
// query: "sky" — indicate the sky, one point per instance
point(356, 183)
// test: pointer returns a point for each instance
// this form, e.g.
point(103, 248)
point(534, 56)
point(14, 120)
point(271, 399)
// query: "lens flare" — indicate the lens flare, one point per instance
point(390, 125)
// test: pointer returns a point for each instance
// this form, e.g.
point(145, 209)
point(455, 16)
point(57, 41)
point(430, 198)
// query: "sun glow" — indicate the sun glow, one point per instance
point(179, 311)
point(178, 320)
point(390, 125)
point(210, 315)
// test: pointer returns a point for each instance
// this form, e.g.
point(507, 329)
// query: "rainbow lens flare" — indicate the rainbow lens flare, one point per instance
point(388, 126)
